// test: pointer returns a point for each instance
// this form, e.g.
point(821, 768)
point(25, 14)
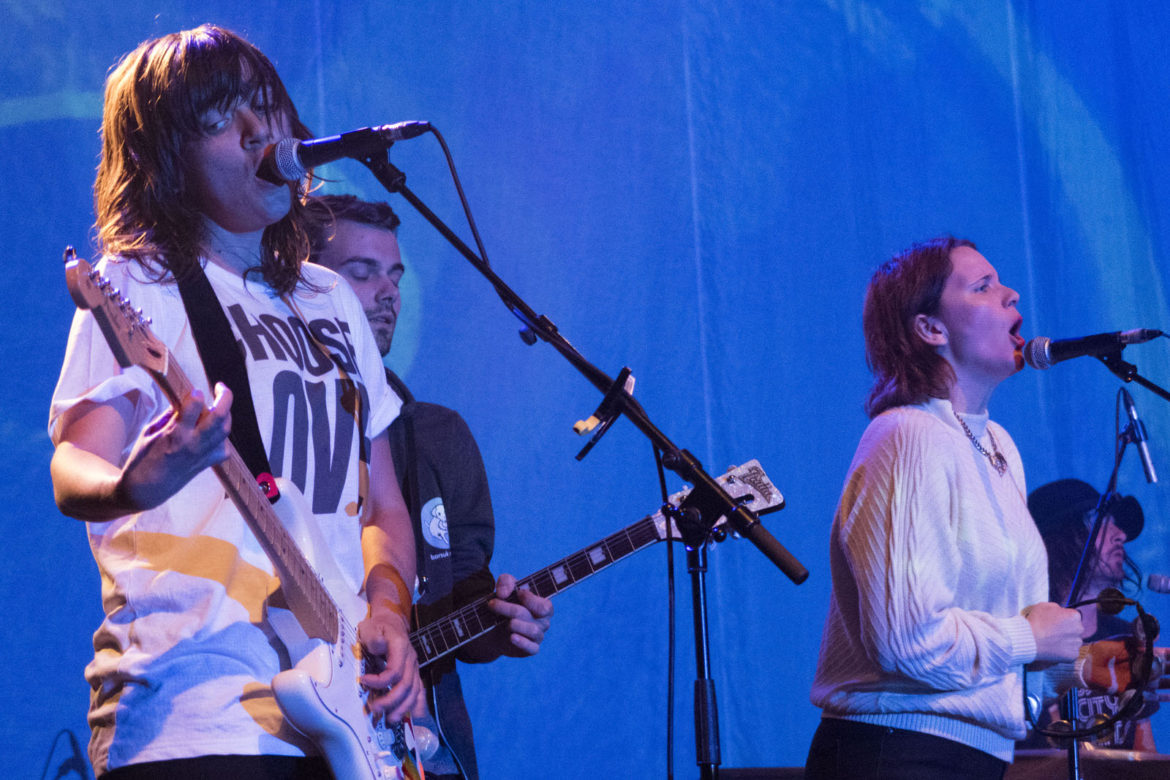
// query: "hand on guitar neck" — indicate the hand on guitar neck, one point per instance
point(173, 448)
point(528, 621)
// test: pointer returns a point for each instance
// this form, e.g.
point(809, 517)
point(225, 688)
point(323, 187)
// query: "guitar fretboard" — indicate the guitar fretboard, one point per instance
point(133, 343)
point(303, 591)
point(436, 639)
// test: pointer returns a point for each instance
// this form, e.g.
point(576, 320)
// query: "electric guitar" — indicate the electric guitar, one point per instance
point(747, 483)
point(319, 695)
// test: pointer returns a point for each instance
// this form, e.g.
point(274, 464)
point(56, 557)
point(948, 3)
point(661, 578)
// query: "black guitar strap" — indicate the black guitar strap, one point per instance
point(402, 443)
point(224, 362)
point(415, 505)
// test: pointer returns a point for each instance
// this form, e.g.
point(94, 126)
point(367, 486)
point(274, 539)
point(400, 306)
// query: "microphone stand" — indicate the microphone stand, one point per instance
point(708, 500)
point(696, 536)
point(1068, 704)
point(1127, 372)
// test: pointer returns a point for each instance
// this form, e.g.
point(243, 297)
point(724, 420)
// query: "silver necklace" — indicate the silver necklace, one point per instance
point(996, 458)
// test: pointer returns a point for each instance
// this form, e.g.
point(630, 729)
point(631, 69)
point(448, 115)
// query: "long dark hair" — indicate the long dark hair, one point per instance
point(906, 369)
point(154, 99)
point(1065, 544)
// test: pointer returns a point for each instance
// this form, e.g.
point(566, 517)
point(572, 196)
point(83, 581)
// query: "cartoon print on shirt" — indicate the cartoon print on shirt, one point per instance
point(434, 524)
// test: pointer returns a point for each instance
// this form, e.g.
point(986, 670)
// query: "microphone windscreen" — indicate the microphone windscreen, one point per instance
point(287, 161)
point(1036, 353)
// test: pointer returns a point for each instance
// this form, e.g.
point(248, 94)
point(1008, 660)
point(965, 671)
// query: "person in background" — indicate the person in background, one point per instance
point(939, 585)
point(1065, 511)
point(442, 477)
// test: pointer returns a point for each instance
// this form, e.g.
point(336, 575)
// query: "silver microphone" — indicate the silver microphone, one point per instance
point(290, 158)
point(1158, 583)
point(1139, 437)
point(1042, 353)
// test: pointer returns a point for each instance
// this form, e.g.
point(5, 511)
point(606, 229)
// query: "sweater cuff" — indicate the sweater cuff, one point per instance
point(1078, 668)
point(1058, 678)
point(1023, 641)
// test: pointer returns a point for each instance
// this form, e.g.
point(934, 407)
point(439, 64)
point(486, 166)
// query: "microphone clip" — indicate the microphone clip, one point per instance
point(1135, 433)
point(1121, 369)
point(607, 411)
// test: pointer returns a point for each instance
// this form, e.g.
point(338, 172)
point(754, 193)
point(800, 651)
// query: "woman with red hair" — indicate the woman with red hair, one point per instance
point(940, 591)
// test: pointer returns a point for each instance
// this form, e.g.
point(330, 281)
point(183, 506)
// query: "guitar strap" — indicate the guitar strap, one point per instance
point(407, 468)
point(415, 504)
point(225, 364)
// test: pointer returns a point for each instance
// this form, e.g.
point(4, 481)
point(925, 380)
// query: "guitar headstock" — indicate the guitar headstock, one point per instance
point(126, 330)
point(747, 483)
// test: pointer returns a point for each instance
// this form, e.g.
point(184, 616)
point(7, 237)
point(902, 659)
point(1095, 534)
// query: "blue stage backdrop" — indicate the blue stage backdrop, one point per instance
point(697, 189)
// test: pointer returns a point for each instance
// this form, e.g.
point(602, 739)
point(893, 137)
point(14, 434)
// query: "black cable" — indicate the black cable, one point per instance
point(75, 763)
point(670, 627)
point(526, 332)
point(462, 198)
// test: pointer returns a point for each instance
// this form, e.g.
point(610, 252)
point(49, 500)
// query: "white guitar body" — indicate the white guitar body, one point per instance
point(320, 696)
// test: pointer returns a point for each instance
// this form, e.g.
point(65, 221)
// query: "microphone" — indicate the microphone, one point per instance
point(289, 159)
point(1158, 583)
point(1139, 437)
point(1042, 353)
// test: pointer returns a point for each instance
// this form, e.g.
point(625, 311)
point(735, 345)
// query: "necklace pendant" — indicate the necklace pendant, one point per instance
point(999, 463)
point(994, 457)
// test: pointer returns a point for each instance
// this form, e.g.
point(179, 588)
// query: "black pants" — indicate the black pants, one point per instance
point(226, 768)
point(231, 767)
point(848, 750)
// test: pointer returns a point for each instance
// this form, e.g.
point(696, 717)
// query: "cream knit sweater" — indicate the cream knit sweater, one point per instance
point(933, 557)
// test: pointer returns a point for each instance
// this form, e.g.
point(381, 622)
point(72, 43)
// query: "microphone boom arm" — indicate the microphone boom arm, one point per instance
point(741, 519)
point(1128, 372)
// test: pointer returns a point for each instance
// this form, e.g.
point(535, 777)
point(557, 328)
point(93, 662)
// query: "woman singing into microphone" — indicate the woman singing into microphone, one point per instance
point(940, 583)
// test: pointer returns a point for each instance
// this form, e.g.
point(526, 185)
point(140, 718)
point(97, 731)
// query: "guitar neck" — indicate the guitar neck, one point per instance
point(441, 637)
point(306, 597)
